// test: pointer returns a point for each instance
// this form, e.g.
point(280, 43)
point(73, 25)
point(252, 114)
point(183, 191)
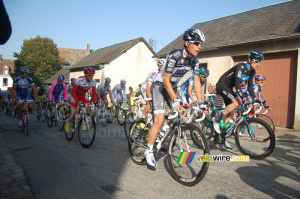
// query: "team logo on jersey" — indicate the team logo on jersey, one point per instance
point(180, 73)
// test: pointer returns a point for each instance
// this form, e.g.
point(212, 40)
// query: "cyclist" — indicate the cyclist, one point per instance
point(118, 96)
point(187, 86)
point(146, 86)
point(57, 87)
point(243, 71)
point(21, 83)
point(259, 82)
point(42, 93)
point(103, 89)
point(1, 101)
point(80, 88)
point(7, 96)
point(178, 63)
point(133, 93)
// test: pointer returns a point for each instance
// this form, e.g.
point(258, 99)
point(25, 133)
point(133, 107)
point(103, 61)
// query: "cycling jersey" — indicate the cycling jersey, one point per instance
point(135, 92)
point(7, 95)
point(80, 88)
point(178, 64)
point(55, 91)
point(184, 88)
point(257, 90)
point(233, 78)
point(42, 91)
point(150, 78)
point(22, 86)
point(103, 88)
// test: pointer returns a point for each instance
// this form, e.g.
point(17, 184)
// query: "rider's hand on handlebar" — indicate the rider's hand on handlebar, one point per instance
point(246, 102)
point(176, 104)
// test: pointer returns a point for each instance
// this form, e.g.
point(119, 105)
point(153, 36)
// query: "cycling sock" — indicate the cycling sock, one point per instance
point(150, 147)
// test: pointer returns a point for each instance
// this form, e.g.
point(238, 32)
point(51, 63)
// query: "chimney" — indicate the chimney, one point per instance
point(88, 48)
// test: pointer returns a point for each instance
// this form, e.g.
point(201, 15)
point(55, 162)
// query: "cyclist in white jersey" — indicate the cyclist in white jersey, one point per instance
point(70, 88)
point(119, 91)
point(103, 89)
point(146, 86)
point(178, 63)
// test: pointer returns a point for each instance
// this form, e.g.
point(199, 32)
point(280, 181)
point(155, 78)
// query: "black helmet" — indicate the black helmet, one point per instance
point(193, 35)
point(256, 54)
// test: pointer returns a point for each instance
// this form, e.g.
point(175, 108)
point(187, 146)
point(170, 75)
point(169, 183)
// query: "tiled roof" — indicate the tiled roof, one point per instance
point(107, 54)
point(279, 21)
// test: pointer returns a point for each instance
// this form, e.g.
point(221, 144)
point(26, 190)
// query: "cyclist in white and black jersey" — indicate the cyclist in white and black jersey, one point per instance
point(70, 88)
point(119, 91)
point(103, 89)
point(177, 64)
point(146, 86)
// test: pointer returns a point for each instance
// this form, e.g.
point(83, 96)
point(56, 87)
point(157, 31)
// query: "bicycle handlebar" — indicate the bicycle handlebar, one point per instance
point(247, 111)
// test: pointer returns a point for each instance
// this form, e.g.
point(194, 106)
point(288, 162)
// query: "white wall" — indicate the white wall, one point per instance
point(297, 105)
point(133, 66)
point(9, 80)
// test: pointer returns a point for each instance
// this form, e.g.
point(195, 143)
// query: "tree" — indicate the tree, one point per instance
point(40, 56)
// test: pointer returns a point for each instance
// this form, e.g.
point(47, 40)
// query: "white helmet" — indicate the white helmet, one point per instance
point(161, 62)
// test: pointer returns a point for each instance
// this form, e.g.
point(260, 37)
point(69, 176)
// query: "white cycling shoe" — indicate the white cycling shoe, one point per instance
point(151, 163)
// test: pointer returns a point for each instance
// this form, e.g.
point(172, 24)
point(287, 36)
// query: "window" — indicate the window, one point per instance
point(5, 81)
point(5, 70)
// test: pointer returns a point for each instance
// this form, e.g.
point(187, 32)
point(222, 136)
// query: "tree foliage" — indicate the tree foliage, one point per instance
point(40, 56)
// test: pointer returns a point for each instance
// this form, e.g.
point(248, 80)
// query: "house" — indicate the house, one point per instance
point(131, 60)
point(71, 56)
point(6, 67)
point(275, 30)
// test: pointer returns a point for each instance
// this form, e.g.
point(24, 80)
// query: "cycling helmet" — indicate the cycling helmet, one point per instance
point(73, 79)
point(260, 77)
point(107, 79)
point(89, 70)
point(256, 54)
point(24, 69)
point(140, 85)
point(204, 71)
point(43, 83)
point(61, 77)
point(193, 35)
point(161, 62)
point(123, 81)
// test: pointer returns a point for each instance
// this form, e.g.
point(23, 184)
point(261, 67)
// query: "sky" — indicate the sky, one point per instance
point(76, 23)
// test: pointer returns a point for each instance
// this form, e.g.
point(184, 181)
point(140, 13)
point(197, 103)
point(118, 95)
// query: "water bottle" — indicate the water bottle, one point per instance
point(228, 124)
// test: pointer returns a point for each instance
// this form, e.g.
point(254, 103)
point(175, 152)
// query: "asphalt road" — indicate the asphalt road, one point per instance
point(57, 168)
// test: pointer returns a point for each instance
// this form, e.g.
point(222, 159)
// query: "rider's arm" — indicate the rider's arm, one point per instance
point(250, 87)
point(148, 90)
point(110, 95)
point(14, 93)
point(168, 85)
point(190, 88)
point(198, 88)
point(51, 90)
point(65, 91)
point(238, 88)
point(34, 90)
point(94, 93)
point(75, 86)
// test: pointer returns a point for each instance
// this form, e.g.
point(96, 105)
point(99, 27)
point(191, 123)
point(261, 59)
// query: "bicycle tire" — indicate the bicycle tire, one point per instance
point(82, 131)
point(268, 120)
point(104, 118)
point(263, 144)
point(121, 116)
point(49, 117)
point(185, 173)
point(69, 135)
point(137, 141)
point(43, 115)
point(26, 125)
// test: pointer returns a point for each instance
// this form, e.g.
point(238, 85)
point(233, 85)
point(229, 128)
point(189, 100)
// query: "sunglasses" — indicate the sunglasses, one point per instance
point(24, 73)
point(256, 61)
point(196, 43)
point(262, 82)
point(91, 75)
point(203, 76)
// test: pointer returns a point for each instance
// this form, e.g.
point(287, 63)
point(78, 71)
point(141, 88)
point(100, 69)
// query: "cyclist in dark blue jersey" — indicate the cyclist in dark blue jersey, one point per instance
point(244, 71)
point(164, 88)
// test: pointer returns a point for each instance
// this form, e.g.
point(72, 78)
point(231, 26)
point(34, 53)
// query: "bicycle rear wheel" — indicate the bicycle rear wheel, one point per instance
point(43, 114)
point(87, 131)
point(137, 142)
point(256, 140)
point(187, 171)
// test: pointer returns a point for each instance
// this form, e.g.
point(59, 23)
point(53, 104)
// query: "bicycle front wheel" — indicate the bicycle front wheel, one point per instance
point(49, 118)
point(268, 120)
point(87, 131)
point(121, 116)
point(257, 140)
point(183, 152)
point(137, 141)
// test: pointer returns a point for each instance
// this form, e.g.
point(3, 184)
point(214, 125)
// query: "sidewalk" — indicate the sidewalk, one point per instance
point(13, 183)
